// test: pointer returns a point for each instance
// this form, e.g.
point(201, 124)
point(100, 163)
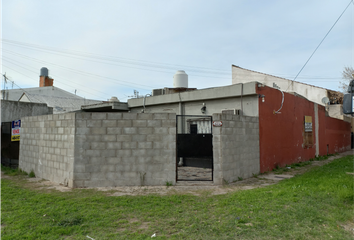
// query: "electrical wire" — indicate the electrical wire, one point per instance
point(56, 80)
point(351, 1)
point(81, 72)
point(115, 59)
point(282, 102)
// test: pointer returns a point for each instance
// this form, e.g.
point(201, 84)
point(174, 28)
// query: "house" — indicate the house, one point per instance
point(322, 96)
point(60, 100)
point(226, 133)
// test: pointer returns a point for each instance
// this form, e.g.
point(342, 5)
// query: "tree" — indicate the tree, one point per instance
point(347, 75)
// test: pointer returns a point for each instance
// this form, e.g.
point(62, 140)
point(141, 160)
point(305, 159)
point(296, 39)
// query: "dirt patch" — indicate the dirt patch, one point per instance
point(349, 226)
point(4, 176)
point(204, 188)
point(41, 183)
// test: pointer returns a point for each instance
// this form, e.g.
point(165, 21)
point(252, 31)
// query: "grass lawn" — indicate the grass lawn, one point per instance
point(310, 206)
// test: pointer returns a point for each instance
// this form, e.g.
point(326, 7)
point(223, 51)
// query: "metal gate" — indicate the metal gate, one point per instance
point(194, 148)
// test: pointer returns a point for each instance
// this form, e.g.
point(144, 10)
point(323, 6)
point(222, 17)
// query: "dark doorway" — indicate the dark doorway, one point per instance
point(194, 148)
point(9, 150)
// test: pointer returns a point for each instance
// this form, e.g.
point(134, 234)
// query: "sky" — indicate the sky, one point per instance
point(106, 48)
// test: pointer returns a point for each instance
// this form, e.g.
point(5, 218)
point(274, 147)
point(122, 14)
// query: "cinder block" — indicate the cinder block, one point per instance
point(108, 153)
point(138, 152)
point(129, 160)
point(162, 116)
point(145, 130)
point(113, 160)
point(98, 145)
point(124, 153)
point(109, 123)
point(154, 138)
point(124, 138)
point(108, 168)
point(109, 138)
point(172, 116)
point(93, 138)
point(161, 130)
point(169, 123)
point(129, 116)
point(139, 138)
point(158, 145)
point(93, 153)
point(129, 130)
point(154, 123)
point(129, 145)
point(94, 123)
point(98, 176)
point(81, 176)
point(83, 115)
point(139, 123)
point(114, 130)
point(69, 116)
point(83, 131)
point(63, 151)
point(111, 175)
point(98, 131)
point(142, 160)
point(124, 123)
point(114, 145)
point(97, 115)
point(79, 168)
point(153, 152)
point(115, 116)
point(144, 116)
point(172, 130)
point(93, 168)
point(144, 145)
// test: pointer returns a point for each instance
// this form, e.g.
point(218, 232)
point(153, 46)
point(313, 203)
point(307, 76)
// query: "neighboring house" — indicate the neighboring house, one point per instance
point(60, 100)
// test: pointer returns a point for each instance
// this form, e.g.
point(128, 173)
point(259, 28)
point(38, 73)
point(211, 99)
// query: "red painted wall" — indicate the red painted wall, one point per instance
point(281, 135)
point(337, 135)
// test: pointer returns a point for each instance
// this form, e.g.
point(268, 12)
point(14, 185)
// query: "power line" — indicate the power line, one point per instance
point(117, 59)
point(78, 71)
point(56, 80)
point(351, 1)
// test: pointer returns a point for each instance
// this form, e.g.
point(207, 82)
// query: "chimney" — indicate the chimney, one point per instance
point(44, 79)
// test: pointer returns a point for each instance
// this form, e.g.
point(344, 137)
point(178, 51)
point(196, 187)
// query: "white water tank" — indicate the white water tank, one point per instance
point(180, 79)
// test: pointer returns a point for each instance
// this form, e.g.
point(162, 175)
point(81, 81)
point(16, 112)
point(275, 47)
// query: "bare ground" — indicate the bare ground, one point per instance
point(196, 188)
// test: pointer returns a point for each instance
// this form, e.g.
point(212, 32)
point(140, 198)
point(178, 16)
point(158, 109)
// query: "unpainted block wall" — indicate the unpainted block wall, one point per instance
point(100, 149)
point(124, 149)
point(47, 147)
point(236, 147)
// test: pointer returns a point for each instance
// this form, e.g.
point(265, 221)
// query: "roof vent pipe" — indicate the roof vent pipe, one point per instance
point(180, 79)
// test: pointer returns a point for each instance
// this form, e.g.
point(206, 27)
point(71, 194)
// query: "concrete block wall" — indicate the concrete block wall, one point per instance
point(100, 149)
point(124, 149)
point(47, 147)
point(14, 110)
point(235, 147)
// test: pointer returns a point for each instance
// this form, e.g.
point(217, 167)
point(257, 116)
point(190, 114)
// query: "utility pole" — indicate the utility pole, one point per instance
point(5, 81)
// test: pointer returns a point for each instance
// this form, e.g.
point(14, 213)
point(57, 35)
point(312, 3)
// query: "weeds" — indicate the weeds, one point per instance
point(31, 174)
point(310, 206)
point(12, 171)
point(169, 184)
